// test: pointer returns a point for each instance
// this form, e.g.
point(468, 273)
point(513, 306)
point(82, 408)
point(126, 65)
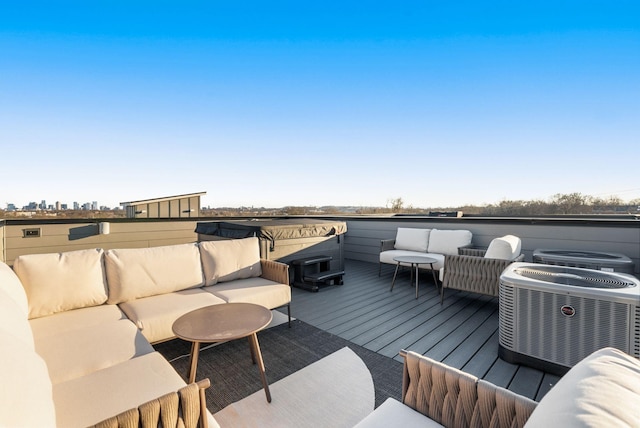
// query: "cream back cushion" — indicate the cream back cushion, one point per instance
point(10, 284)
point(411, 239)
point(133, 273)
point(14, 320)
point(26, 398)
point(507, 247)
point(447, 241)
point(230, 259)
point(602, 390)
point(60, 282)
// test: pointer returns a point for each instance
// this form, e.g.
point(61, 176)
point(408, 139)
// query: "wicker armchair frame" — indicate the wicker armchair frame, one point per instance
point(471, 271)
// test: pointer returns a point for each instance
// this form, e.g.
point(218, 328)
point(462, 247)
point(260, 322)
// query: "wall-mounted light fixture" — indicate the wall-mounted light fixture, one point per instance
point(104, 228)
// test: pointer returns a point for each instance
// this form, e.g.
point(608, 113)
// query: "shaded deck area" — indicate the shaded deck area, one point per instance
point(463, 332)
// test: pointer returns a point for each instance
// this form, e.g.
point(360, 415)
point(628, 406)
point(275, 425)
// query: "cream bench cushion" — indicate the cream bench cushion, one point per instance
point(260, 291)
point(388, 257)
point(76, 319)
point(79, 352)
point(97, 396)
point(58, 282)
point(392, 413)
point(155, 315)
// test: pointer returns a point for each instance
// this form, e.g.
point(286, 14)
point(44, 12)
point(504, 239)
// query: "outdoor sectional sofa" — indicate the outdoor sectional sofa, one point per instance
point(76, 328)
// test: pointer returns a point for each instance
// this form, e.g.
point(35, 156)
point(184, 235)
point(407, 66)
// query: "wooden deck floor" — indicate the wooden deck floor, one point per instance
point(463, 332)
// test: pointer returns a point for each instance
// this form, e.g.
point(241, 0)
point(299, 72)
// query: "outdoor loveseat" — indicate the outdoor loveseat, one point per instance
point(434, 243)
point(76, 329)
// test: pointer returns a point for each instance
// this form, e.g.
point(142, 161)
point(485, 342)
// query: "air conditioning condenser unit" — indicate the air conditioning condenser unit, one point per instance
point(551, 317)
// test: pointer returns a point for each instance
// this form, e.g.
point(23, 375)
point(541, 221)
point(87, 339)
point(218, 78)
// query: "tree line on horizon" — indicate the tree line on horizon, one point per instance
point(559, 204)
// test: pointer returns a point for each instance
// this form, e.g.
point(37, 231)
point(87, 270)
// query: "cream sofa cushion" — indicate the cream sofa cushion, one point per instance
point(412, 239)
point(602, 390)
point(447, 241)
point(133, 273)
point(260, 291)
point(95, 397)
point(231, 259)
point(507, 247)
point(10, 284)
point(155, 315)
point(60, 282)
point(25, 396)
point(393, 413)
point(13, 320)
point(75, 319)
point(388, 256)
point(75, 353)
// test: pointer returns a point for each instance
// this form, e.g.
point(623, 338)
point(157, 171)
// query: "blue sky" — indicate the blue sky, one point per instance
point(334, 103)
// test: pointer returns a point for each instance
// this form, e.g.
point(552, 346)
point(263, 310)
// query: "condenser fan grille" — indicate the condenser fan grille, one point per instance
point(575, 277)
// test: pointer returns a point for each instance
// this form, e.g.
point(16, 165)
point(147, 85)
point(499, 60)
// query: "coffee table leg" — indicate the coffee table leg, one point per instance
point(195, 352)
point(256, 349)
point(253, 352)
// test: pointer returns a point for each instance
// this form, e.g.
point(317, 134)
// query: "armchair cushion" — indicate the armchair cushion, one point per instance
point(507, 247)
point(447, 242)
point(412, 239)
point(602, 390)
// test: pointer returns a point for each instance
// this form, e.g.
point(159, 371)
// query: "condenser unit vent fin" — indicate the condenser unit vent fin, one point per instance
point(576, 278)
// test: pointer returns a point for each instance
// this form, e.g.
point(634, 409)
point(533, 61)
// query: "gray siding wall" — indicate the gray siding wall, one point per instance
point(63, 237)
point(361, 242)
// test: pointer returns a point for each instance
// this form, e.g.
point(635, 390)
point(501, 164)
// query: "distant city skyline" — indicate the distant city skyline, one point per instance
point(274, 104)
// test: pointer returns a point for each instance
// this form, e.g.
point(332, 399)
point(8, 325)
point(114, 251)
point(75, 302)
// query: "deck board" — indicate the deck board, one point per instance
point(461, 332)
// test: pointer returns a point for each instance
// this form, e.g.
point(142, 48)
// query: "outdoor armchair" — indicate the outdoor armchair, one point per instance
point(478, 270)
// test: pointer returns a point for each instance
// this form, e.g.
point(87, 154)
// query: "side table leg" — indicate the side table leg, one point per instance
point(256, 349)
point(195, 353)
point(435, 279)
point(393, 282)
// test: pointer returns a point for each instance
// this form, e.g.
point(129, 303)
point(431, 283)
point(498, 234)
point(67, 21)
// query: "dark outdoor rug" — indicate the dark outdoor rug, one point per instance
point(284, 350)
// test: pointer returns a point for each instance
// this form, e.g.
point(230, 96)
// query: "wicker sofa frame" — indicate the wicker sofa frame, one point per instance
point(454, 398)
point(186, 408)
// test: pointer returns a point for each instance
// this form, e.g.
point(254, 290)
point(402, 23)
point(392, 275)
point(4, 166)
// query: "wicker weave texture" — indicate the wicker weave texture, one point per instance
point(182, 409)
point(456, 399)
point(275, 271)
point(474, 274)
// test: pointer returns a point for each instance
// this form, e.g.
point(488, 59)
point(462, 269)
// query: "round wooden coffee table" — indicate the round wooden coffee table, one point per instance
point(415, 261)
point(221, 323)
